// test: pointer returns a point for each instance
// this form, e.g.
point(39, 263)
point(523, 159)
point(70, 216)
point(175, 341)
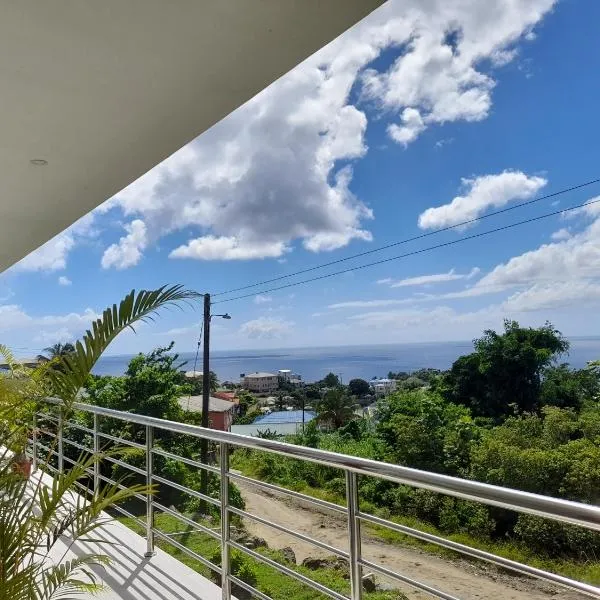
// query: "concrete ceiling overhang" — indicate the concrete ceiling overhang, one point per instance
point(105, 90)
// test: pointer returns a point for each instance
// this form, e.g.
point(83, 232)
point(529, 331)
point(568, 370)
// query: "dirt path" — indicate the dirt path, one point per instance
point(464, 579)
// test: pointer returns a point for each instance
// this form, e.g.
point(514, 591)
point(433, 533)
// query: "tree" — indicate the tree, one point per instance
point(336, 408)
point(359, 387)
point(331, 380)
point(55, 351)
point(505, 370)
point(196, 383)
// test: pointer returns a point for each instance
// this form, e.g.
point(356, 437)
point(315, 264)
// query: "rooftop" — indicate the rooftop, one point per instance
point(286, 416)
point(259, 374)
point(194, 403)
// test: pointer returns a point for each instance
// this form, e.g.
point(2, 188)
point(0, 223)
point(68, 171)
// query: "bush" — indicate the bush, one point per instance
point(554, 539)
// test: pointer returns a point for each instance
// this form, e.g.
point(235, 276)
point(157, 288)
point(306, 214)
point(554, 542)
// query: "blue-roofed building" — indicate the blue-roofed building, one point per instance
point(282, 422)
point(286, 416)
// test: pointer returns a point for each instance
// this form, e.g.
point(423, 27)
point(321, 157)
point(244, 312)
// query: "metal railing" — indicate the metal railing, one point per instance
point(583, 515)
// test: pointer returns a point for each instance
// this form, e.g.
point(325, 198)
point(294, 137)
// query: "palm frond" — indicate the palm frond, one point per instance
point(135, 307)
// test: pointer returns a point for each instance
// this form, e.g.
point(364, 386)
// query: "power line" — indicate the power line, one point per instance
point(415, 252)
point(196, 360)
point(412, 239)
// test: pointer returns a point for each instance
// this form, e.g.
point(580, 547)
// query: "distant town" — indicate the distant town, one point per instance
point(281, 403)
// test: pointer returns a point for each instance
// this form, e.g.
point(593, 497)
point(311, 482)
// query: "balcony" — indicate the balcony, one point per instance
point(141, 570)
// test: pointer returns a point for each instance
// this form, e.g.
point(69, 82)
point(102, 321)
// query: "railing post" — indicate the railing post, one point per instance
point(96, 454)
point(149, 504)
point(225, 529)
point(34, 441)
point(354, 539)
point(61, 461)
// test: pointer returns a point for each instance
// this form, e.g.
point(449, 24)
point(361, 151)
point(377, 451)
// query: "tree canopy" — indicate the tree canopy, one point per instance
point(359, 387)
point(506, 369)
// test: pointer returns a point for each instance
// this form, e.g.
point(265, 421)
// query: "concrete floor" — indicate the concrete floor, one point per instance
point(131, 576)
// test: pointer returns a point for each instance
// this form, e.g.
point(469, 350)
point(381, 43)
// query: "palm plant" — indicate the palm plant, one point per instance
point(336, 408)
point(56, 351)
point(35, 515)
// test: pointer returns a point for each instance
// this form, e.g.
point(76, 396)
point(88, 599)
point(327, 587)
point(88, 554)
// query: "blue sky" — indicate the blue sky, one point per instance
point(423, 115)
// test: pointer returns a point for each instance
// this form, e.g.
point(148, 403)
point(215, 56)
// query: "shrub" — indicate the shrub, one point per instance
point(553, 539)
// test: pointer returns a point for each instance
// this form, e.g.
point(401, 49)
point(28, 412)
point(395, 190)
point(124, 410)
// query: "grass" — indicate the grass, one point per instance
point(267, 580)
point(588, 571)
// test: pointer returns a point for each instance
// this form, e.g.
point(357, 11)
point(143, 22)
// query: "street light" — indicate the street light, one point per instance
point(206, 394)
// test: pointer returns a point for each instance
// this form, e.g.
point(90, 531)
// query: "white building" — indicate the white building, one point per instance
point(383, 387)
point(289, 377)
point(260, 382)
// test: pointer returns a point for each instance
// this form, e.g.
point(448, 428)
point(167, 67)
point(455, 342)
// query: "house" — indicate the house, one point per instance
point(282, 422)
point(230, 396)
point(383, 387)
point(287, 376)
point(220, 412)
point(260, 382)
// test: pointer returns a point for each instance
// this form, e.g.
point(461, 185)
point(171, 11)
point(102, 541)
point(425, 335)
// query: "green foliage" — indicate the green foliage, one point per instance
point(331, 380)
point(505, 370)
point(419, 429)
point(34, 517)
point(359, 387)
point(336, 408)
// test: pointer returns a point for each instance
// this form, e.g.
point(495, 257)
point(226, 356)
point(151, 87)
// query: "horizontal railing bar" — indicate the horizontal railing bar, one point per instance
point(187, 461)
point(277, 488)
point(402, 578)
point(73, 462)
point(187, 551)
point(119, 485)
point(46, 448)
point(125, 465)
point(290, 572)
point(482, 555)
point(251, 590)
point(296, 534)
point(129, 515)
point(119, 440)
point(47, 432)
point(186, 520)
point(47, 417)
point(80, 427)
point(79, 446)
point(558, 509)
point(185, 490)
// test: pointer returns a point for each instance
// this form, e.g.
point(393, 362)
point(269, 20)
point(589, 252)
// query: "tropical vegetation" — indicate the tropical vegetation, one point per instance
point(508, 414)
point(38, 516)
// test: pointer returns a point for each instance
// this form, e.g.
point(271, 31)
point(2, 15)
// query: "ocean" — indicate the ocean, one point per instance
point(348, 362)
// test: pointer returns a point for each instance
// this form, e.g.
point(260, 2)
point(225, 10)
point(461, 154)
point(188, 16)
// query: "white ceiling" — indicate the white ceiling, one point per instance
point(105, 90)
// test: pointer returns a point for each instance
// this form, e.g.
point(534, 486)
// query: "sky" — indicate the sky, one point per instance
point(426, 114)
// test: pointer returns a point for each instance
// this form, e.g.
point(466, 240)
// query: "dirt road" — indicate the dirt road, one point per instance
point(463, 579)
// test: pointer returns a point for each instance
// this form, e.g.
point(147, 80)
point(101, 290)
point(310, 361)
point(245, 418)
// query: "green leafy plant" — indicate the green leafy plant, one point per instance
point(36, 514)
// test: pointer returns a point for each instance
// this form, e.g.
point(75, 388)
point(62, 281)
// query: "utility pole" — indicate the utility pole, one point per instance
point(205, 400)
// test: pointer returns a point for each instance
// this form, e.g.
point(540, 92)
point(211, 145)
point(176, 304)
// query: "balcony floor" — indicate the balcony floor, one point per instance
point(130, 576)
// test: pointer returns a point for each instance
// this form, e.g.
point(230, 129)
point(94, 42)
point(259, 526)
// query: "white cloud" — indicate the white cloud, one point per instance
point(262, 299)
point(481, 193)
point(370, 303)
point(554, 295)
point(226, 248)
point(128, 251)
point(440, 71)
point(276, 170)
point(412, 126)
point(44, 329)
point(266, 328)
point(561, 235)
point(52, 256)
point(451, 275)
point(63, 280)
